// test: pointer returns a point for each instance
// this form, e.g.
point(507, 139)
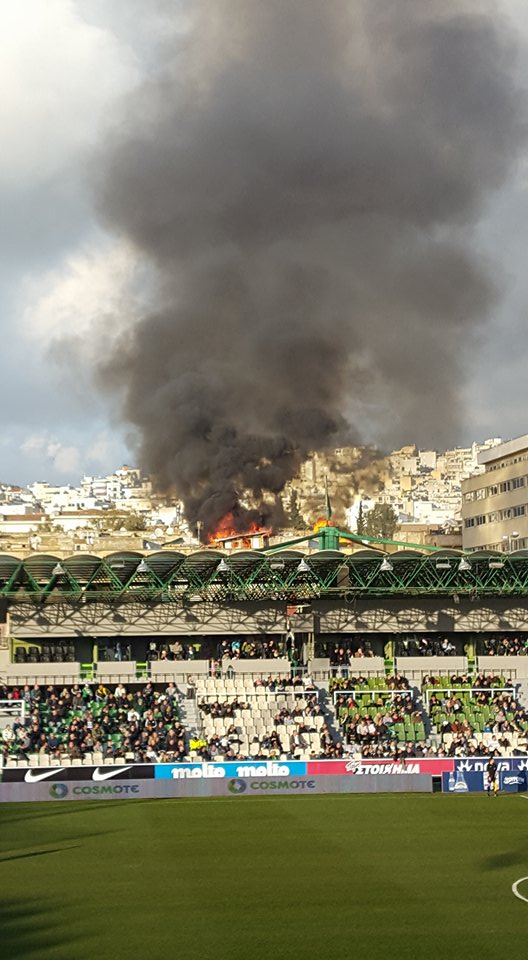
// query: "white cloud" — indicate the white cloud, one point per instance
point(58, 75)
point(101, 450)
point(67, 460)
point(70, 457)
point(74, 299)
point(35, 443)
point(62, 458)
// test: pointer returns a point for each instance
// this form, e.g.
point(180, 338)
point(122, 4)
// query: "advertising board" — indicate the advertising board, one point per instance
point(382, 767)
point(364, 768)
point(470, 775)
point(241, 768)
point(99, 774)
point(479, 764)
point(230, 786)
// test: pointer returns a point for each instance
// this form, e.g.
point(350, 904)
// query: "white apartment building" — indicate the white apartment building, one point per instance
point(495, 503)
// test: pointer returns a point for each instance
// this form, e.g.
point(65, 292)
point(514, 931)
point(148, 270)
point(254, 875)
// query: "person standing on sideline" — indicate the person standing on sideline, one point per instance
point(493, 777)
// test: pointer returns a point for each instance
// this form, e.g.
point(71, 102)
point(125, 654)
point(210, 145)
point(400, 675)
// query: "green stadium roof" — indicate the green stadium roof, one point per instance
point(284, 574)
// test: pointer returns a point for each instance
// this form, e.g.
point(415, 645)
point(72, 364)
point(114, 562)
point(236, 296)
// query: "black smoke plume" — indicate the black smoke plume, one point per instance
point(303, 176)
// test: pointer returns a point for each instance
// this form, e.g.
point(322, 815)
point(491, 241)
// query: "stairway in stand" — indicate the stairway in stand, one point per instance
point(190, 715)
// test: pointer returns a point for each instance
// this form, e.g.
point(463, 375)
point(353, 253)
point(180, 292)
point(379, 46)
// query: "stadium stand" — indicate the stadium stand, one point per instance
point(57, 652)
point(245, 708)
point(380, 717)
point(505, 646)
point(475, 715)
point(344, 653)
point(243, 717)
point(265, 718)
point(93, 724)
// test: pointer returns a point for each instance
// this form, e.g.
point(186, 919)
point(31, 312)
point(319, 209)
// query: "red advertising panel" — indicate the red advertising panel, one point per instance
point(432, 765)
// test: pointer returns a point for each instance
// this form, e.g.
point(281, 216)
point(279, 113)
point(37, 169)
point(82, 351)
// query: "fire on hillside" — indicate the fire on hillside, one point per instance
point(228, 537)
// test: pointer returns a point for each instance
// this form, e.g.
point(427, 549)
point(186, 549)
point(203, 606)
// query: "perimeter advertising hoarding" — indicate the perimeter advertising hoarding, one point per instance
point(232, 787)
point(412, 765)
point(510, 781)
point(206, 771)
point(469, 775)
point(479, 764)
point(128, 771)
point(319, 768)
point(240, 768)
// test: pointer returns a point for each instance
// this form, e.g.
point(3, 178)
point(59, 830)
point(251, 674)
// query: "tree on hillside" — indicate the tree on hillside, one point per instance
point(130, 521)
point(360, 523)
point(295, 516)
point(381, 521)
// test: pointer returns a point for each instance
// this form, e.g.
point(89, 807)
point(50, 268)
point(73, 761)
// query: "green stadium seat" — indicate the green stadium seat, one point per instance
point(399, 730)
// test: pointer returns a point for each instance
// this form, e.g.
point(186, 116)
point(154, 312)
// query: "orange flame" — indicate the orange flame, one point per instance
point(226, 529)
point(323, 522)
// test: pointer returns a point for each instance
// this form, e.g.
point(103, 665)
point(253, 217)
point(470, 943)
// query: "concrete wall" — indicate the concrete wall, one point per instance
point(364, 666)
point(514, 667)
point(162, 619)
point(116, 672)
point(415, 668)
point(319, 668)
point(43, 673)
point(424, 614)
point(170, 669)
point(276, 667)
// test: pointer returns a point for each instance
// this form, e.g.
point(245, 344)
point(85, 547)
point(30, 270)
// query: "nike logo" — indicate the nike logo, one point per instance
point(107, 774)
point(35, 777)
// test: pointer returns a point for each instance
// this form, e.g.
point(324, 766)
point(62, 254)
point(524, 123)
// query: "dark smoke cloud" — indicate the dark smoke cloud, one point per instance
point(303, 176)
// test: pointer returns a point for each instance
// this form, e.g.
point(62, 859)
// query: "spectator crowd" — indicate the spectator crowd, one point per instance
point(395, 681)
point(280, 725)
point(425, 646)
point(466, 716)
point(505, 646)
point(342, 654)
point(92, 720)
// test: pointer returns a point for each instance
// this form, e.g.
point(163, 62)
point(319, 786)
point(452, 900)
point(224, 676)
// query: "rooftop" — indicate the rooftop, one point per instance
point(502, 450)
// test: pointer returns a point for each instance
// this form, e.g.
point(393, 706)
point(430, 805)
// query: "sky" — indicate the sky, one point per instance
point(65, 68)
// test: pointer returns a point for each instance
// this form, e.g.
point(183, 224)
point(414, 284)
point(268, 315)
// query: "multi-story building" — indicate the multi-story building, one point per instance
point(495, 503)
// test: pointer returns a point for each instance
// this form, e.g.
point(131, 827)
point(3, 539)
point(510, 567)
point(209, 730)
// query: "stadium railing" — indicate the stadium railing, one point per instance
point(9, 709)
point(276, 667)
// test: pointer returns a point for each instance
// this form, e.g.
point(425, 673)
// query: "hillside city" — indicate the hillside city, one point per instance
point(122, 510)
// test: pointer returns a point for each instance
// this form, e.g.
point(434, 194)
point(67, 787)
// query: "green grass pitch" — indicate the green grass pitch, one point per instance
point(383, 876)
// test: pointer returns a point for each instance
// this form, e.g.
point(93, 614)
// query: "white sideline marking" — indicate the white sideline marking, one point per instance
point(516, 892)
